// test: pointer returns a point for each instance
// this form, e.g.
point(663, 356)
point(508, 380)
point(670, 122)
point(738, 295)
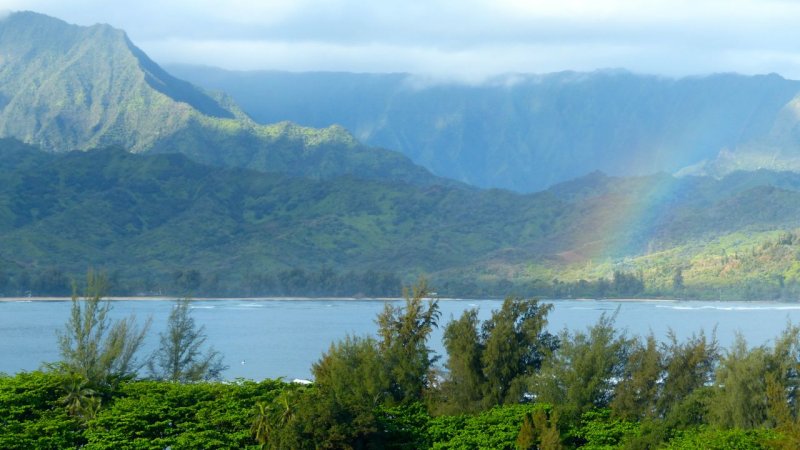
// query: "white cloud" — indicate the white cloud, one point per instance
point(471, 39)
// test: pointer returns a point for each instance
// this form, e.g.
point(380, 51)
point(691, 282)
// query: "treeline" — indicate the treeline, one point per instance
point(324, 282)
point(288, 282)
point(621, 284)
point(327, 282)
point(505, 382)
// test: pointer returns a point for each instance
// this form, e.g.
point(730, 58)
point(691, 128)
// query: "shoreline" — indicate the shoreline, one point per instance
point(380, 299)
point(170, 298)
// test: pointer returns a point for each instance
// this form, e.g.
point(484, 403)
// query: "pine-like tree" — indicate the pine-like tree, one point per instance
point(94, 347)
point(180, 356)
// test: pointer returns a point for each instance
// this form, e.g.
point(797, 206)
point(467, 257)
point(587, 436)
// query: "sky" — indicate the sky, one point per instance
point(470, 40)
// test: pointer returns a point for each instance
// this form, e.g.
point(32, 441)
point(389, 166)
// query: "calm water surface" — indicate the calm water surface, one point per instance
point(267, 338)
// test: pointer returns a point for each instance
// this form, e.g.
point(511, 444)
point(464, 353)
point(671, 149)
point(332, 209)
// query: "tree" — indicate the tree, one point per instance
point(514, 347)
point(581, 374)
point(273, 424)
point(677, 280)
point(742, 389)
point(93, 346)
point(188, 280)
point(80, 400)
point(354, 372)
point(351, 380)
point(492, 367)
point(355, 379)
point(540, 431)
point(636, 394)
point(180, 357)
point(739, 399)
point(403, 342)
point(688, 369)
point(261, 425)
point(463, 389)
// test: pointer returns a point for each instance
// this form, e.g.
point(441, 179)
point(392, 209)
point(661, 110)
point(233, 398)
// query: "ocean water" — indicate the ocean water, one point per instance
point(268, 338)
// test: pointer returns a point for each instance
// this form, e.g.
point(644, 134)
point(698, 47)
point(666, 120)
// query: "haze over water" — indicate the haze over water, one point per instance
point(268, 338)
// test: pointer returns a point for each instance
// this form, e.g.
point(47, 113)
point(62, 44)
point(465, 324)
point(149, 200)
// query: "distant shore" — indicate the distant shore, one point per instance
point(266, 299)
point(169, 298)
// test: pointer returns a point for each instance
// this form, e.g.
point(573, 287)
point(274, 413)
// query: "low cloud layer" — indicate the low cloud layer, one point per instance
point(467, 39)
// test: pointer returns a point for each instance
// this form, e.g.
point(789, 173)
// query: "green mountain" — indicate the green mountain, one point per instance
point(164, 223)
point(146, 217)
point(65, 87)
point(527, 132)
point(776, 149)
point(190, 194)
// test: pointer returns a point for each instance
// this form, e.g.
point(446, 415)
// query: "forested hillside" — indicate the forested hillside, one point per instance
point(164, 223)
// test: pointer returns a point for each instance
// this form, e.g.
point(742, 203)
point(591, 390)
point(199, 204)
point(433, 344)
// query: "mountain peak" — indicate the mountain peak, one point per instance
point(66, 87)
point(69, 87)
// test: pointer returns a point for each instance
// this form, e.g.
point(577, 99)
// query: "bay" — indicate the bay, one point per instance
point(269, 338)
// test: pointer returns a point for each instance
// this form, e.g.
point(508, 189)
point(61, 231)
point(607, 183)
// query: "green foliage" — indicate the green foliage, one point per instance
point(349, 360)
point(340, 410)
point(83, 87)
point(357, 382)
point(180, 357)
point(80, 400)
point(92, 347)
point(314, 418)
point(637, 393)
point(150, 414)
point(677, 280)
point(580, 376)
point(689, 369)
point(351, 406)
point(32, 415)
point(740, 400)
point(540, 431)
point(598, 430)
point(463, 388)
point(723, 439)
point(139, 414)
point(496, 428)
point(492, 367)
point(515, 346)
point(403, 343)
point(757, 387)
point(143, 205)
point(405, 427)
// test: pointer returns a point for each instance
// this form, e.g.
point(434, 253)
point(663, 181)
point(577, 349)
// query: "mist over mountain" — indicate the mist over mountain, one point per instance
point(65, 87)
point(526, 132)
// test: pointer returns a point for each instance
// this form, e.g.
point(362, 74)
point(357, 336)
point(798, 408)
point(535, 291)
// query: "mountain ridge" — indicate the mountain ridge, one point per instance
point(523, 132)
point(66, 87)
